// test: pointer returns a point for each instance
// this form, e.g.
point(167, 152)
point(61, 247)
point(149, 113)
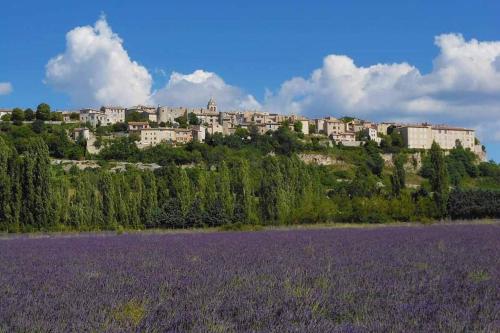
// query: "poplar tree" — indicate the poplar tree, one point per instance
point(224, 190)
point(35, 183)
point(149, 199)
point(108, 200)
point(244, 210)
point(270, 192)
point(6, 155)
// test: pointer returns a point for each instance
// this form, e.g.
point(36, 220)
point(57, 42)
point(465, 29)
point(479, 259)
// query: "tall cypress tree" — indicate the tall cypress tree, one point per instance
point(439, 179)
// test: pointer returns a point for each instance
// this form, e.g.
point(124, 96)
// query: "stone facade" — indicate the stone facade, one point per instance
point(422, 136)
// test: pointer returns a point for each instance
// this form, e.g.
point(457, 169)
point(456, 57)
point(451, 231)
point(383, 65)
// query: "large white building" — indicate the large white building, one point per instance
point(422, 136)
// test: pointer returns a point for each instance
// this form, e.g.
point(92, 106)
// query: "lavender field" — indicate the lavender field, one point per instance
point(400, 279)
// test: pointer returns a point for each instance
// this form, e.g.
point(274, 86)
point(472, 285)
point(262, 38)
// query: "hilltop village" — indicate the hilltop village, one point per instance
point(179, 125)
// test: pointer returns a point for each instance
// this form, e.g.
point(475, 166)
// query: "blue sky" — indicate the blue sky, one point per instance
point(257, 46)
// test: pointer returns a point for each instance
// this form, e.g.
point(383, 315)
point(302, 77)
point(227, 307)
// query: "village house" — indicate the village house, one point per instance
point(333, 125)
point(94, 117)
point(383, 127)
point(319, 124)
point(215, 128)
point(354, 126)
point(373, 135)
point(137, 125)
point(343, 137)
point(233, 118)
point(263, 128)
point(154, 136)
point(114, 114)
point(107, 115)
point(183, 135)
point(198, 133)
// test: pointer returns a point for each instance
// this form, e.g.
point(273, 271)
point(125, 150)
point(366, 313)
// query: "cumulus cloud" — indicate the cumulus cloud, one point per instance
point(195, 89)
point(463, 88)
point(5, 88)
point(95, 69)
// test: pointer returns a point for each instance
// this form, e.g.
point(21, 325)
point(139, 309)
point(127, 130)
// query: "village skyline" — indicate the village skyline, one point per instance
point(313, 61)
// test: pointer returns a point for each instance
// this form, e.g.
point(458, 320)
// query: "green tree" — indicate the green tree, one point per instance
point(297, 126)
point(107, 191)
point(38, 126)
point(272, 191)
point(182, 121)
point(398, 177)
point(136, 116)
point(42, 112)
point(149, 197)
point(17, 116)
point(29, 115)
point(439, 179)
point(123, 148)
point(224, 191)
point(374, 161)
point(363, 135)
point(364, 183)
point(6, 209)
point(56, 116)
point(244, 210)
point(193, 119)
point(35, 182)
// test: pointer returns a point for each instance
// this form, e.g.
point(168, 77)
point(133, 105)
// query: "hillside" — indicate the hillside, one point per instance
point(282, 177)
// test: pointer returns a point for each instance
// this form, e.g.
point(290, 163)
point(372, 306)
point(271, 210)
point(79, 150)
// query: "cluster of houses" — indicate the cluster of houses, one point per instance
point(162, 126)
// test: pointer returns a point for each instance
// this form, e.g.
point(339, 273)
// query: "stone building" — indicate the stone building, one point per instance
point(153, 136)
point(422, 136)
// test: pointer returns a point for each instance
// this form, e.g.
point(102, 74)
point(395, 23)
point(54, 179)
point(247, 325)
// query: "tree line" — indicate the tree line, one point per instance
point(232, 186)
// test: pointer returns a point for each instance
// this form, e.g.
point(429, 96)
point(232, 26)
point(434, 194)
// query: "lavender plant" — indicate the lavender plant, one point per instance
point(398, 279)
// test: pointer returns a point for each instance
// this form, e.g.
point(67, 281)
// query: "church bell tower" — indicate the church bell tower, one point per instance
point(212, 106)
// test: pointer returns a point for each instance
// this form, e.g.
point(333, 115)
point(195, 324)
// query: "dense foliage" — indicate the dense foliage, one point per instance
point(434, 279)
point(473, 203)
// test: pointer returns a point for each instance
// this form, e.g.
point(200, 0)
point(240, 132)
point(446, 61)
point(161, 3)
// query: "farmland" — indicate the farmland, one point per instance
point(432, 278)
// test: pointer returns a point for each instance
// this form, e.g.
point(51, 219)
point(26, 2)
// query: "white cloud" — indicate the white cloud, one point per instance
point(5, 88)
point(462, 88)
point(195, 89)
point(95, 69)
